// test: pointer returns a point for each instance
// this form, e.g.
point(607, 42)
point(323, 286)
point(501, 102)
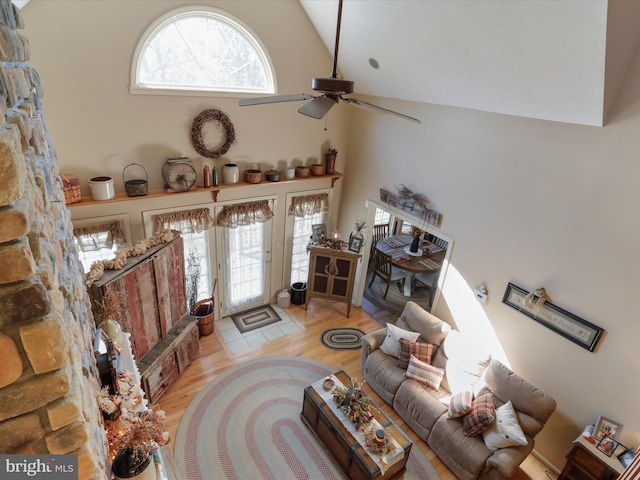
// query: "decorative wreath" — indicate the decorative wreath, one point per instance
point(223, 122)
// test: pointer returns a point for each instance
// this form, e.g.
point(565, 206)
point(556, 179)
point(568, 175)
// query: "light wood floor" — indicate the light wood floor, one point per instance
point(321, 315)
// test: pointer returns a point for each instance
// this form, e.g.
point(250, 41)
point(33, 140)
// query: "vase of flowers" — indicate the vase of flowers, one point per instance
point(416, 235)
point(354, 404)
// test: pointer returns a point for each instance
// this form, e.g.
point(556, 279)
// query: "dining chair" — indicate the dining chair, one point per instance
point(380, 231)
point(428, 280)
point(386, 271)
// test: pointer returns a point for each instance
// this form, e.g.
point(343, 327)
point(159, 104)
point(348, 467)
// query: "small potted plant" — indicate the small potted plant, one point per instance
point(330, 160)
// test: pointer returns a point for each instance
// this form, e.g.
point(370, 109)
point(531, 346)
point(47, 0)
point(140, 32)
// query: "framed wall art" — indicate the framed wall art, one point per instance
point(604, 426)
point(355, 243)
point(570, 326)
point(318, 232)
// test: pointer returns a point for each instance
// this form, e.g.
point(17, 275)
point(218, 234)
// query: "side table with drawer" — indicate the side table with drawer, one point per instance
point(586, 462)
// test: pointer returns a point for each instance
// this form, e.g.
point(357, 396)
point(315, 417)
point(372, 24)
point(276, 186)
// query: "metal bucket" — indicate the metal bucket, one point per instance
point(136, 187)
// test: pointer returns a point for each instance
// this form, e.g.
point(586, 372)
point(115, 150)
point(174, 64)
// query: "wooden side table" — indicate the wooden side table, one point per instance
point(586, 462)
point(331, 275)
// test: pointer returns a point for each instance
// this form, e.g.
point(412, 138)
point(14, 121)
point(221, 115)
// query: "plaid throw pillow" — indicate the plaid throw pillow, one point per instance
point(424, 373)
point(480, 417)
point(422, 351)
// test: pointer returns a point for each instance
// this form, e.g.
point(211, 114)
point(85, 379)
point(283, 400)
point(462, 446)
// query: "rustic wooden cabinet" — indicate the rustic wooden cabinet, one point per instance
point(331, 275)
point(164, 338)
point(585, 462)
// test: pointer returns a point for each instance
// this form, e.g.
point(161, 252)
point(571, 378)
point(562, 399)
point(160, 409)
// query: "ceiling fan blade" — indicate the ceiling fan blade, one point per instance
point(245, 102)
point(318, 107)
point(359, 102)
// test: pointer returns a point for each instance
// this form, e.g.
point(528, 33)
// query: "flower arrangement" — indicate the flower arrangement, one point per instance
point(360, 225)
point(416, 232)
point(354, 403)
point(332, 151)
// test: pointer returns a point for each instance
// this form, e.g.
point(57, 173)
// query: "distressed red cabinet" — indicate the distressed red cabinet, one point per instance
point(162, 333)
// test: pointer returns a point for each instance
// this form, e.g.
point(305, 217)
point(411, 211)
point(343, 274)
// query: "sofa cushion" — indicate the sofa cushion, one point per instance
point(480, 417)
point(460, 404)
point(419, 406)
point(424, 373)
point(505, 431)
point(417, 319)
point(391, 344)
point(383, 375)
point(533, 407)
point(421, 350)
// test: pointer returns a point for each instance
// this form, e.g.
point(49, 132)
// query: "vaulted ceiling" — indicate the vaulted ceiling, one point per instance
point(555, 60)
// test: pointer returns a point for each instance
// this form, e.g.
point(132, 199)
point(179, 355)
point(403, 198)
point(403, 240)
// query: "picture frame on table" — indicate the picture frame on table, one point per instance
point(355, 243)
point(626, 457)
point(566, 324)
point(604, 426)
point(607, 445)
point(318, 232)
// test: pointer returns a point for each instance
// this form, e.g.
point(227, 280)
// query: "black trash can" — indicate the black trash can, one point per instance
point(298, 293)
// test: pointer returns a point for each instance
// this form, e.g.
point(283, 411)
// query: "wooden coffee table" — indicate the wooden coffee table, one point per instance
point(342, 445)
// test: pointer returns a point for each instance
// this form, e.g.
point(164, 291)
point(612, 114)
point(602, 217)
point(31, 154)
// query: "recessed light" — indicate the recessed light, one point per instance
point(373, 62)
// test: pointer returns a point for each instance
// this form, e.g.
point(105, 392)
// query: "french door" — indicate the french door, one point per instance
point(244, 266)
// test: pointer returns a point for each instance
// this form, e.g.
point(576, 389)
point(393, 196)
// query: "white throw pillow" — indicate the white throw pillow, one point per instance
point(391, 344)
point(505, 431)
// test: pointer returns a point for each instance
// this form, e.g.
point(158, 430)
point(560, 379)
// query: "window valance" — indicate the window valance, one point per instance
point(99, 236)
point(309, 204)
point(186, 221)
point(245, 214)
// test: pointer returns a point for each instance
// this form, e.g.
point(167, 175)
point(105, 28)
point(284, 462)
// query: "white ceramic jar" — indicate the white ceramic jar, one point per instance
point(289, 173)
point(102, 188)
point(230, 173)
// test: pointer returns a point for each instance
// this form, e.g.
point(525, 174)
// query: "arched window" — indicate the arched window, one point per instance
point(200, 49)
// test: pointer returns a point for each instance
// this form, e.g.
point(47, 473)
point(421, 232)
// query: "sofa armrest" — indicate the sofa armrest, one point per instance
point(370, 342)
point(506, 461)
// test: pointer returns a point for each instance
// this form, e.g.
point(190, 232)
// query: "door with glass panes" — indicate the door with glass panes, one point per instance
point(244, 266)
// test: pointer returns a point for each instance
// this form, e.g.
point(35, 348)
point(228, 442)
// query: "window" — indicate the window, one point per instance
point(99, 238)
point(200, 49)
point(193, 225)
point(306, 211)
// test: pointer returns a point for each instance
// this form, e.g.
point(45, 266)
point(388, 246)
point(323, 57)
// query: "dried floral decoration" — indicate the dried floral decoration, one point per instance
point(97, 268)
point(112, 304)
point(223, 123)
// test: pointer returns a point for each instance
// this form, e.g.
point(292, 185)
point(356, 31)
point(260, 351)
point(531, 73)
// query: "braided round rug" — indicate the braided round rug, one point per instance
point(342, 338)
point(246, 425)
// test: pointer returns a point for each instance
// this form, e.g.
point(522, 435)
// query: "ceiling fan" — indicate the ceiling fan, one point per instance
point(331, 91)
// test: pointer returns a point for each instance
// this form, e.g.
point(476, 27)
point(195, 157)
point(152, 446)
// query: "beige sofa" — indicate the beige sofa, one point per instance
point(466, 368)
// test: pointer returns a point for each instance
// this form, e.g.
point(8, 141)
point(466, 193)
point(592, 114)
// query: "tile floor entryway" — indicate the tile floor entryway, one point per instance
point(236, 342)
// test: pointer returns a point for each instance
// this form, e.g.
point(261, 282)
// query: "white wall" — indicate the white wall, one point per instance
point(536, 203)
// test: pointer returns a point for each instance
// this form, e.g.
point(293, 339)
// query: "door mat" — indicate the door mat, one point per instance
point(342, 338)
point(255, 318)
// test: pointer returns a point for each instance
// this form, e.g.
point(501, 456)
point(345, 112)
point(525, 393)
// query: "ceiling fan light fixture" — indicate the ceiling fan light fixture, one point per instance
point(335, 86)
point(374, 63)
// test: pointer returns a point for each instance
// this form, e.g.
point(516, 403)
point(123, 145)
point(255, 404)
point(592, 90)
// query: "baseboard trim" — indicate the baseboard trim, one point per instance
point(546, 462)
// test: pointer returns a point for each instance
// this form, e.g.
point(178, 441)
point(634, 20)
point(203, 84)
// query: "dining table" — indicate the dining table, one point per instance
point(428, 259)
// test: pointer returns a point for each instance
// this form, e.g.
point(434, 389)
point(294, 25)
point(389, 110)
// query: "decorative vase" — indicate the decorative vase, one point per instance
point(126, 464)
point(230, 173)
point(330, 163)
point(414, 244)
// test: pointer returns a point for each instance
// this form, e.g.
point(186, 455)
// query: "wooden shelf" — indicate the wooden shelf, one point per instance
point(123, 197)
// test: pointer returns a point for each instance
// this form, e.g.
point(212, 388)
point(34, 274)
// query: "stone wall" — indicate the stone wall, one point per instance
point(48, 376)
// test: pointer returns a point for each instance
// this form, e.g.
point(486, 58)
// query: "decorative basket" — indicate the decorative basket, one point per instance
point(71, 188)
point(302, 172)
point(136, 187)
point(253, 175)
point(317, 169)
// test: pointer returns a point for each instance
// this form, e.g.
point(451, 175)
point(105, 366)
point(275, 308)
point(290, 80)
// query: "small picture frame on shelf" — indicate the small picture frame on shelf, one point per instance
point(604, 426)
point(318, 232)
point(626, 457)
point(355, 243)
point(607, 445)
